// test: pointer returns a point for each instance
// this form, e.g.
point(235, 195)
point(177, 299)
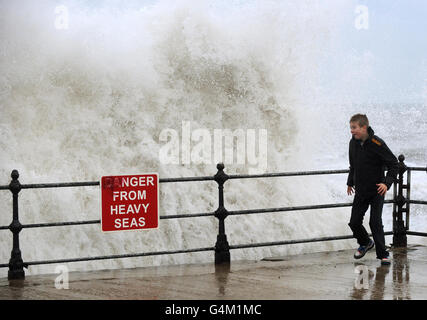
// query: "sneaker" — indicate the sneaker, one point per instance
point(385, 261)
point(363, 249)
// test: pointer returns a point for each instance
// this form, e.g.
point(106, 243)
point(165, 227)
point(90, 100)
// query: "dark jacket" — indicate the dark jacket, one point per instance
point(368, 163)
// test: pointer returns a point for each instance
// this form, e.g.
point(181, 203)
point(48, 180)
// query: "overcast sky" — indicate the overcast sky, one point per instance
point(388, 60)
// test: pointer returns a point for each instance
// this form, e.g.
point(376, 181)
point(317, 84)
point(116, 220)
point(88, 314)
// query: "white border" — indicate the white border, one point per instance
point(126, 175)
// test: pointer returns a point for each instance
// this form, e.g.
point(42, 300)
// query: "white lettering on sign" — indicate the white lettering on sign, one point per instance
point(132, 208)
point(124, 223)
point(138, 181)
point(129, 202)
point(131, 195)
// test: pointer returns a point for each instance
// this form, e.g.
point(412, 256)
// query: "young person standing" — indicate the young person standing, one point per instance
point(369, 157)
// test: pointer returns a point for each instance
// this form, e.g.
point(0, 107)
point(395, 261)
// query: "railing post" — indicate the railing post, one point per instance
point(222, 249)
point(399, 230)
point(408, 197)
point(16, 265)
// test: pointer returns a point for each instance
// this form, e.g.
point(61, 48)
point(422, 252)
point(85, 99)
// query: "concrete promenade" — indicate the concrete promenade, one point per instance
point(325, 275)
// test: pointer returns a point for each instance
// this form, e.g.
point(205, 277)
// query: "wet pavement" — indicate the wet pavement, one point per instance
point(325, 275)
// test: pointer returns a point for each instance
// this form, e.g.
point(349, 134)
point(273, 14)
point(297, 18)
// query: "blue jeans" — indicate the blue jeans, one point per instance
point(358, 210)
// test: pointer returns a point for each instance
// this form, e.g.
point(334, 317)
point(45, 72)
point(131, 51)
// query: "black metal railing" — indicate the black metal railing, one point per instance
point(401, 204)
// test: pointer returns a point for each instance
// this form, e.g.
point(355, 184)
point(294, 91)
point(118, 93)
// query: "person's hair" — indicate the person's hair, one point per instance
point(361, 119)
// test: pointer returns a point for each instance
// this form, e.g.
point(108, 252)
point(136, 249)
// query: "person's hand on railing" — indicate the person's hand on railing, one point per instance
point(382, 188)
point(350, 190)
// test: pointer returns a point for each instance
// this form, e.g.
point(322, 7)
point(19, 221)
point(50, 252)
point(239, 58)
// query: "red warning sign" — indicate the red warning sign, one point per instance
point(130, 202)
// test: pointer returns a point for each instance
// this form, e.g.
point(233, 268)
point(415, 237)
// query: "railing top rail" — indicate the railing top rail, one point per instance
point(182, 179)
point(201, 178)
point(96, 183)
point(286, 174)
point(417, 168)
